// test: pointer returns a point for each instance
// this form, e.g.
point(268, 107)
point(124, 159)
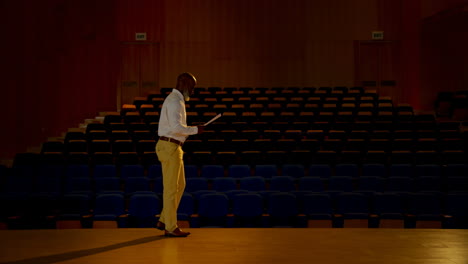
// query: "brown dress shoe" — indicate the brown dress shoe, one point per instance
point(176, 233)
point(160, 225)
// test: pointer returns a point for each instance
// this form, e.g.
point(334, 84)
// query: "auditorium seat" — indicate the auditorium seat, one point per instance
point(213, 210)
point(399, 184)
point(143, 210)
point(293, 170)
point(432, 184)
point(109, 211)
point(425, 209)
point(196, 184)
point(224, 184)
point(374, 169)
point(74, 210)
point(107, 185)
point(401, 170)
point(339, 184)
point(311, 184)
point(456, 205)
point(212, 171)
point(370, 185)
point(252, 183)
point(136, 184)
point(122, 145)
point(185, 210)
point(390, 209)
point(238, 171)
point(105, 171)
point(282, 184)
point(318, 209)
point(347, 169)
point(434, 170)
point(248, 210)
point(320, 170)
point(353, 208)
point(283, 210)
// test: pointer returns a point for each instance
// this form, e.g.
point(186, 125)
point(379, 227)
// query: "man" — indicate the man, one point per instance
point(173, 131)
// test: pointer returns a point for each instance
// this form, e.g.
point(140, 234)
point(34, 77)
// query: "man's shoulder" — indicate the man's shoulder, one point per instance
point(173, 99)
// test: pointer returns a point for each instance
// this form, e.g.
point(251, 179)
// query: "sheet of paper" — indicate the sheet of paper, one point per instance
point(213, 119)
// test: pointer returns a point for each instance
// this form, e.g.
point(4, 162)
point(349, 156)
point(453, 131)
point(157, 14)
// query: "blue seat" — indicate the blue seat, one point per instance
point(313, 184)
point(191, 171)
point(354, 207)
point(73, 211)
point(40, 211)
point(456, 205)
point(282, 184)
point(340, 184)
point(109, 211)
point(213, 209)
point(318, 209)
point(78, 185)
point(370, 169)
point(154, 171)
point(212, 171)
point(351, 170)
point(143, 210)
point(320, 170)
point(434, 170)
point(106, 170)
point(453, 170)
point(293, 170)
point(239, 171)
point(266, 171)
point(457, 184)
point(370, 184)
point(107, 184)
point(425, 209)
point(283, 210)
point(399, 184)
point(401, 170)
point(390, 209)
point(247, 210)
point(128, 171)
point(185, 210)
point(137, 184)
point(252, 183)
point(196, 184)
point(49, 180)
point(157, 185)
point(79, 170)
point(223, 184)
point(428, 184)
point(231, 193)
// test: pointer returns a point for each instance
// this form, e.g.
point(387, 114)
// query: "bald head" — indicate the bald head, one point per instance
point(185, 84)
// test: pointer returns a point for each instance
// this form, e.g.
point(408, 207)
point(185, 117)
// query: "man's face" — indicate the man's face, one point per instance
point(189, 89)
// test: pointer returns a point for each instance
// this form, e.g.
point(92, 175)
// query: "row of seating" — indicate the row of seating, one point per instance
point(242, 170)
point(310, 123)
point(56, 180)
point(269, 141)
point(242, 209)
point(301, 131)
point(205, 91)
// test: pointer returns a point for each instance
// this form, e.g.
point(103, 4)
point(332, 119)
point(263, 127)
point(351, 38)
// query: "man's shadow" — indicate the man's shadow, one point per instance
point(83, 253)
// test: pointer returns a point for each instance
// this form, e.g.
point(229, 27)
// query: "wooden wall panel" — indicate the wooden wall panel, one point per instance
point(264, 43)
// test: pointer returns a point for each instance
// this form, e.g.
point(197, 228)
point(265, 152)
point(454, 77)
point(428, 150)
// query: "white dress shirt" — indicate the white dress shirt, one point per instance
point(173, 118)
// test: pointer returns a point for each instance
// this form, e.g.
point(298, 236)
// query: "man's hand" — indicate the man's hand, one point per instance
point(201, 129)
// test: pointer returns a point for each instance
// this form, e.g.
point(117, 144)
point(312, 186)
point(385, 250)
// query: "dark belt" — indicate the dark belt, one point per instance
point(171, 140)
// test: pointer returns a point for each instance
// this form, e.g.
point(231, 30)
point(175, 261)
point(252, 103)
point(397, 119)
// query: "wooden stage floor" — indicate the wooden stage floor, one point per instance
point(240, 246)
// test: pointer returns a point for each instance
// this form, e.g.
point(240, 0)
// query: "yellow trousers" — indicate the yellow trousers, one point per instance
point(171, 157)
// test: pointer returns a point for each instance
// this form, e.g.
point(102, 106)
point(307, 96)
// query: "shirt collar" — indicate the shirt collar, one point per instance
point(178, 93)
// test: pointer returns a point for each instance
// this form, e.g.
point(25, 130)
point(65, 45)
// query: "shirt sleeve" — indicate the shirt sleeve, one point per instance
point(178, 121)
